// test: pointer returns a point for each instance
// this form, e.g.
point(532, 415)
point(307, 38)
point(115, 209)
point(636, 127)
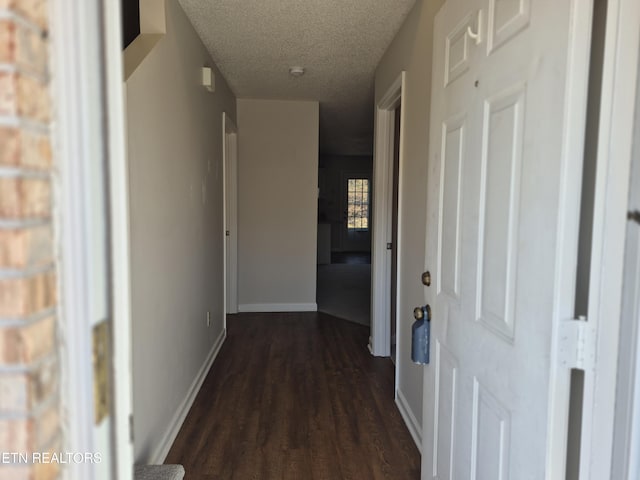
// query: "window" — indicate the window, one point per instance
point(358, 204)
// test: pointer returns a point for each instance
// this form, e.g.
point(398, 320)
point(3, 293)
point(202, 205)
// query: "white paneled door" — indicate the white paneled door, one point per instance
point(496, 243)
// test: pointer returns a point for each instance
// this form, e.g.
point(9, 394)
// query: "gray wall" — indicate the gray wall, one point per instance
point(277, 204)
point(175, 162)
point(411, 50)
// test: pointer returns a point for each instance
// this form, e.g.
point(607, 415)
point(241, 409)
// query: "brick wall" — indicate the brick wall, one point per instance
point(29, 420)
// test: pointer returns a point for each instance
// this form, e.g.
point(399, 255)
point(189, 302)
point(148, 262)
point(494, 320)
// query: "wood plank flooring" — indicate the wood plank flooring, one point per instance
point(296, 396)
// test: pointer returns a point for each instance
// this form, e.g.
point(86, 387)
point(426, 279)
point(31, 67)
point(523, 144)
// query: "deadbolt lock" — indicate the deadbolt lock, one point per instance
point(426, 278)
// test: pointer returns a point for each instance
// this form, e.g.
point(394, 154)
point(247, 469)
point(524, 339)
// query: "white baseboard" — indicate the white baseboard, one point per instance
point(415, 429)
point(278, 307)
point(160, 454)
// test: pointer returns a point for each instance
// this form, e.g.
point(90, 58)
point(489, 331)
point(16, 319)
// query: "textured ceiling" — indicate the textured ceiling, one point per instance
point(338, 42)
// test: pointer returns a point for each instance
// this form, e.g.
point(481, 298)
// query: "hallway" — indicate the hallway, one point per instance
point(344, 287)
point(296, 395)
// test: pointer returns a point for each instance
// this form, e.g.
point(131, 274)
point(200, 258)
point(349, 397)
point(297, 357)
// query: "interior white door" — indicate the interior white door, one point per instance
point(496, 161)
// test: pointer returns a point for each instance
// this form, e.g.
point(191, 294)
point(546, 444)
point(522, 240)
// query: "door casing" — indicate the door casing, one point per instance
point(382, 205)
point(230, 223)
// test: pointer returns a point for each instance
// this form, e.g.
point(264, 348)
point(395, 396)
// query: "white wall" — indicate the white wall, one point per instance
point(411, 50)
point(175, 155)
point(277, 204)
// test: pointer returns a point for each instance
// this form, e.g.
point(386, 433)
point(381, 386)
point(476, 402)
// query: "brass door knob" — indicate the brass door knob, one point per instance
point(426, 278)
point(419, 312)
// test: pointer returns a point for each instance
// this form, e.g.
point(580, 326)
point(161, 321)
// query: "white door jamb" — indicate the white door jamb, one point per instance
point(230, 213)
point(379, 343)
point(615, 143)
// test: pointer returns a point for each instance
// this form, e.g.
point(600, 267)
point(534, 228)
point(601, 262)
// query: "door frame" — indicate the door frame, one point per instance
point(87, 45)
point(230, 215)
point(615, 139)
point(382, 204)
point(120, 236)
point(626, 465)
point(615, 144)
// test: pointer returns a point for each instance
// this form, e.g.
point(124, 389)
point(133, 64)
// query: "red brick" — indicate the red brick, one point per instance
point(16, 435)
point(47, 427)
point(28, 247)
point(25, 197)
point(14, 392)
point(22, 46)
point(23, 391)
point(24, 149)
point(16, 472)
point(24, 96)
point(26, 344)
point(33, 99)
point(46, 471)
point(9, 146)
point(30, 434)
point(20, 297)
point(33, 10)
point(8, 93)
point(7, 41)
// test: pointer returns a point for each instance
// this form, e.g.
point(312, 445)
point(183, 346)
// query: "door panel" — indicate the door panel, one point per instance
point(450, 202)
point(506, 18)
point(445, 393)
point(493, 193)
point(499, 208)
point(491, 431)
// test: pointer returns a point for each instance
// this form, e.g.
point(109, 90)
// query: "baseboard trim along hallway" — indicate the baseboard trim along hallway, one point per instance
point(277, 307)
point(409, 419)
point(161, 452)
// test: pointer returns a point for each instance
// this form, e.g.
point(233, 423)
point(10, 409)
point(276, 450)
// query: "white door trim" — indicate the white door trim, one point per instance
point(615, 143)
point(120, 236)
point(90, 146)
point(626, 463)
point(379, 343)
point(577, 84)
point(230, 214)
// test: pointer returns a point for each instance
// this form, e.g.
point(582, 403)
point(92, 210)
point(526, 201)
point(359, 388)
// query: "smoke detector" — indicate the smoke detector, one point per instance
point(296, 71)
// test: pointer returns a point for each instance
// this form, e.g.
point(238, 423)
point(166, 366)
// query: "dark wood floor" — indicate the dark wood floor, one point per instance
point(296, 396)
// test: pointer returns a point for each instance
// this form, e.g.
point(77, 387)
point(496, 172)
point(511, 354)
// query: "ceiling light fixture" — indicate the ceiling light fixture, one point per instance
point(296, 71)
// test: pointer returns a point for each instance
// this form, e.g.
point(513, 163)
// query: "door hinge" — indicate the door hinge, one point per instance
point(634, 216)
point(389, 246)
point(577, 344)
point(101, 364)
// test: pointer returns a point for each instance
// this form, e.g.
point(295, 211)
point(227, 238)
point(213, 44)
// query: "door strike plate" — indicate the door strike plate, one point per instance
point(101, 362)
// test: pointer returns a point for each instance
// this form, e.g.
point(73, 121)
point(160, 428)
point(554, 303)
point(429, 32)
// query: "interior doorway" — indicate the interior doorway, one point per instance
point(230, 165)
point(387, 216)
point(344, 237)
point(393, 290)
